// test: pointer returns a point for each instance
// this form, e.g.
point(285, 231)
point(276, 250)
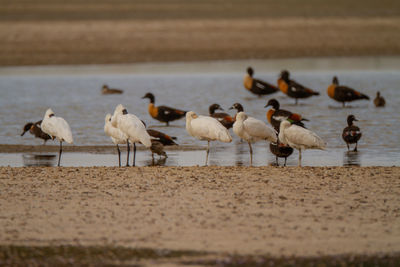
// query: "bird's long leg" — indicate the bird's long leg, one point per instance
point(343, 104)
point(134, 154)
point(59, 154)
point(285, 162)
point(348, 147)
point(119, 156)
point(208, 150)
point(296, 101)
point(127, 153)
point(299, 157)
point(276, 158)
point(251, 154)
point(355, 149)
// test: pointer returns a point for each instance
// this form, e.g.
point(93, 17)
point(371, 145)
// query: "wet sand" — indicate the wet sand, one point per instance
point(275, 211)
point(128, 32)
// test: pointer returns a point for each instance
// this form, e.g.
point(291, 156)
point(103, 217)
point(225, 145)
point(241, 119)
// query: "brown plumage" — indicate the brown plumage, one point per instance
point(351, 134)
point(379, 101)
point(276, 115)
point(36, 130)
point(256, 86)
point(293, 89)
point(157, 148)
point(163, 113)
point(280, 151)
point(105, 90)
point(224, 118)
point(163, 138)
point(238, 108)
point(342, 93)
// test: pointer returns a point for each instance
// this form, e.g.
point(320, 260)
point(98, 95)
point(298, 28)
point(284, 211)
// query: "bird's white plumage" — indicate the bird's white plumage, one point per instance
point(299, 138)
point(131, 126)
point(252, 129)
point(116, 135)
point(206, 128)
point(56, 127)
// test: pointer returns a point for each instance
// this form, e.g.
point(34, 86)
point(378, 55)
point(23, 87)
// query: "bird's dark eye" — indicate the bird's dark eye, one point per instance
point(124, 112)
point(51, 115)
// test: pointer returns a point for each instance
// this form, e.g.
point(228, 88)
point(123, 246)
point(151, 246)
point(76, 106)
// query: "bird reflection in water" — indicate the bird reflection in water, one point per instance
point(241, 148)
point(37, 160)
point(351, 158)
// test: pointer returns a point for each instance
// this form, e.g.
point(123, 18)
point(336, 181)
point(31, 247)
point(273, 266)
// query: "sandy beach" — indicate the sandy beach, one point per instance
point(274, 211)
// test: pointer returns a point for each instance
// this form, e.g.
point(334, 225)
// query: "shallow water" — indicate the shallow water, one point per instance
point(75, 95)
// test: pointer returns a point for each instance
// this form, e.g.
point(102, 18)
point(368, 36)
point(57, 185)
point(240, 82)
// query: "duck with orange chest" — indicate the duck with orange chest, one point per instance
point(36, 130)
point(351, 134)
point(293, 89)
point(224, 118)
point(163, 113)
point(256, 86)
point(344, 94)
point(276, 115)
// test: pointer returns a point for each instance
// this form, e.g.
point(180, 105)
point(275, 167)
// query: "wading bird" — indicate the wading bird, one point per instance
point(132, 127)
point(351, 134)
point(36, 130)
point(342, 93)
point(116, 135)
point(105, 90)
point(58, 128)
point(252, 130)
point(293, 89)
point(206, 128)
point(275, 115)
point(299, 138)
point(163, 113)
point(379, 101)
point(257, 87)
point(224, 118)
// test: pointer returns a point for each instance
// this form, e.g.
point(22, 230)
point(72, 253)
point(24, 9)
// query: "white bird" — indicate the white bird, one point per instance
point(206, 128)
point(252, 130)
point(58, 128)
point(299, 138)
point(116, 135)
point(132, 127)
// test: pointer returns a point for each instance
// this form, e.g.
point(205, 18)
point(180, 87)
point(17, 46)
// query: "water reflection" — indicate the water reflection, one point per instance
point(240, 152)
point(351, 158)
point(35, 160)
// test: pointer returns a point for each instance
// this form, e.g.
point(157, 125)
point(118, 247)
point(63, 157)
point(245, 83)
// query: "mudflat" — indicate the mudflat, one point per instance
point(102, 32)
point(275, 211)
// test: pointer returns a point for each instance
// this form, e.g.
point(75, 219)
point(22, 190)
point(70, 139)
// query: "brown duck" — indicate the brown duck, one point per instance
point(280, 151)
point(105, 90)
point(342, 93)
point(275, 115)
point(163, 113)
point(256, 86)
point(224, 118)
point(36, 130)
point(238, 108)
point(379, 101)
point(351, 134)
point(293, 89)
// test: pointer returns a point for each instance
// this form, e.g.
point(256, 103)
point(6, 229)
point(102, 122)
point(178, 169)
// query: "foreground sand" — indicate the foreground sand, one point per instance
point(246, 211)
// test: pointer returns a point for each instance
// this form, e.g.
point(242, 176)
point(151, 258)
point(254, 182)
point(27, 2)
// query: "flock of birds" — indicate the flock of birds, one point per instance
point(288, 131)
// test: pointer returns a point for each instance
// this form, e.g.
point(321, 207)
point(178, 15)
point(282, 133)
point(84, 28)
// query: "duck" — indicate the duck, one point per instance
point(379, 101)
point(238, 108)
point(105, 90)
point(293, 89)
point(157, 148)
point(224, 118)
point(299, 138)
point(256, 86)
point(342, 93)
point(351, 134)
point(163, 113)
point(161, 137)
point(36, 130)
point(275, 115)
point(280, 150)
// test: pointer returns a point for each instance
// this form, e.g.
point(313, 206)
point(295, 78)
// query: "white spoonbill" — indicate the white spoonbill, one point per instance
point(252, 130)
point(299, 138)
point(58, 128)
point(132, 127)
point(206, 128)
point(116, 135)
